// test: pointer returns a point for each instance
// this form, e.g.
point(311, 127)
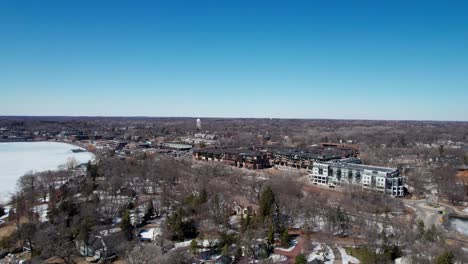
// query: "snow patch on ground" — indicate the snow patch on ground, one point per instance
point(183, 244)
point(278, 258)
point(110, 231)
point(402, 260)
point(347, 258)
point(321, 252)
point(7, 209)
point(319, 225)
point(41, 210)
point(150, 234)
point(116, 221)
point(291, 248)
point(208, 243)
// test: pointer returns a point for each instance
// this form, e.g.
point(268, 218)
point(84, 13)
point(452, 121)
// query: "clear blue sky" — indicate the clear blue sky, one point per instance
point(300, 59)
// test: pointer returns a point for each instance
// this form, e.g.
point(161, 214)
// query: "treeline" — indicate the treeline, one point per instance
point(241, 131)
point(102, 207)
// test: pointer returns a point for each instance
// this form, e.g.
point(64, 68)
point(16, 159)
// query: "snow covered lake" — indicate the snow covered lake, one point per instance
point(459, 225)
point(18, 158)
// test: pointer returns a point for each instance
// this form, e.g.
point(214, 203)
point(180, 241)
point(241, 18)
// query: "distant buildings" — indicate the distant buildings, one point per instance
point(303, 158)
point(240, 158)
point(201, 138)
point(176, 146)
point(261, 158)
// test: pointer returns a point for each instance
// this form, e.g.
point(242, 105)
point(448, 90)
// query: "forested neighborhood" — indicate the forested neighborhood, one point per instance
point(147, 197)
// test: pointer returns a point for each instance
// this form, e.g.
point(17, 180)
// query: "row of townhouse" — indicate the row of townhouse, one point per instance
point(261, 158)
point(341, 172)
point(302, 159)
point(240, 158)
point(326, 167)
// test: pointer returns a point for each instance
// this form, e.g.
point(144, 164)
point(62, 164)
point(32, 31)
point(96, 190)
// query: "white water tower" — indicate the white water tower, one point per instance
point(198, 124)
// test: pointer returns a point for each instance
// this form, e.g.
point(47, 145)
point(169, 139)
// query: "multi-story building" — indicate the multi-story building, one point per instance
point(241, 158)
point(279, 157)
point(304, 158)
point(336, 173)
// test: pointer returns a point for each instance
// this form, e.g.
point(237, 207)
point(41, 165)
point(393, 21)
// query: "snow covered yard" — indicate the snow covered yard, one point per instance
point(234, 221)
point(347, 258)
point(41, 210)
point(321, 252)
point(150, 234)
point(184, 244)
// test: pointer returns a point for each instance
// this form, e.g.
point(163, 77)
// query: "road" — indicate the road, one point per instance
point(430, 216)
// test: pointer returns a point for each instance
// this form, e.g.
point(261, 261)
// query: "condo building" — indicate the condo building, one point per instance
point(349, 171)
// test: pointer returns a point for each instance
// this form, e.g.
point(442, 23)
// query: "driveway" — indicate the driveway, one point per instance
point(428, 214)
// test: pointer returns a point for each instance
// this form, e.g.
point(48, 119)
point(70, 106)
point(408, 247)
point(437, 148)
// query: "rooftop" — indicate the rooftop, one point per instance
point(362, 167)
point(176, 145)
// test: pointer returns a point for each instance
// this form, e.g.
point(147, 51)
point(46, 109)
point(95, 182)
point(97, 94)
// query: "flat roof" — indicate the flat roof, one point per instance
point(362, 167)
point(176, 145)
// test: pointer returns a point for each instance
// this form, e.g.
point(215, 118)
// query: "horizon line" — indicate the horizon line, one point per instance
point(221, 117)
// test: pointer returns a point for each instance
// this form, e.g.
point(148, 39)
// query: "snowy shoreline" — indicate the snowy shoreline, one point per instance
point(19, 158)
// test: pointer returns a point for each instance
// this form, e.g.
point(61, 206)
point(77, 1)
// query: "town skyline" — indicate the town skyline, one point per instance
point(227, 118)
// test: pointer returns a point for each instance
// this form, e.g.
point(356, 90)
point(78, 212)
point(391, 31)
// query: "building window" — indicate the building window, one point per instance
point(320, 171)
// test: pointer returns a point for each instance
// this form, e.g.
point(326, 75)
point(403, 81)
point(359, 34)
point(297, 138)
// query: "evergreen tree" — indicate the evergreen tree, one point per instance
point(92, 170)
point(202, 197)
point(392, 252)
point(149, 212)
point(300, 259)
point(285, 238)
point(126, 225)
point(420, 227)
point(237, 254)
point(431, 235)
point(271, 235)
point(245, 223)
point(84, 230)
point(225, 251)
point(193, 246)
point(181, 229)
point(342, 219)
point(445, 258)
point(441, 150)
point(267, 204)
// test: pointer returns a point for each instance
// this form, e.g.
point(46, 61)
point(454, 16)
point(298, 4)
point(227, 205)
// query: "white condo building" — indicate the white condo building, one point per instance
point(386, 180)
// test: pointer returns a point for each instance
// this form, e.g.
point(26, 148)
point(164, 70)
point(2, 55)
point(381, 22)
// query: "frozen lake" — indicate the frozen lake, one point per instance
point(18, 158)
point(460, 225)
